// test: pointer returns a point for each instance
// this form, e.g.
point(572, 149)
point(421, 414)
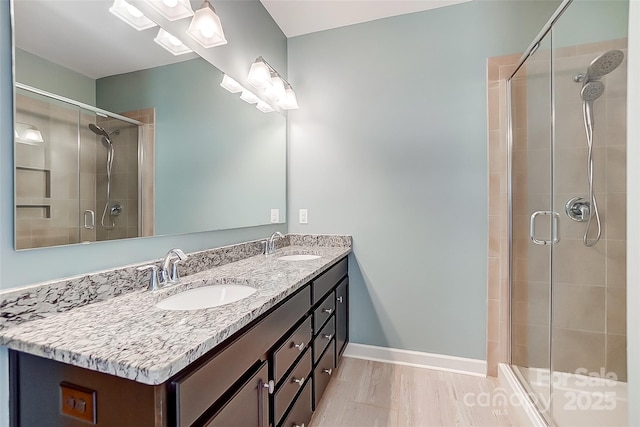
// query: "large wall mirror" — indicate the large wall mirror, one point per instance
point(116, 138)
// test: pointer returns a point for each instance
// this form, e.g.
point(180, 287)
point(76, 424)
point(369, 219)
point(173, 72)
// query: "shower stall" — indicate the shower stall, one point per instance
point(77, 174)
point(567, 201)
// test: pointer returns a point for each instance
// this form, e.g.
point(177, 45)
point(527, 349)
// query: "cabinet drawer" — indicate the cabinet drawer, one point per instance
point(291, 349)
point(291, 385)
point(323, 339)
point(249, 406)
point(329, 279)
point(322, 373)
point(323, 312)
point(198, 389)
point(301, 412)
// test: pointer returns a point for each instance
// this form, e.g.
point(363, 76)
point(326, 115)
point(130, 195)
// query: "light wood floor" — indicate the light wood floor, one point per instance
point(363, 393)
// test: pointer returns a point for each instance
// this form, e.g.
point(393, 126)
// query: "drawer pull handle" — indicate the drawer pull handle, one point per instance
point(300, 346)
point(340, 300)
point(328, 371)
point(327, 336)
point(327, 310)
point(299, 381)
point(270, 385)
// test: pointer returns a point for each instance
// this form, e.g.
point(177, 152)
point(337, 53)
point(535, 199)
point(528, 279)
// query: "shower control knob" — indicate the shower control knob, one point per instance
point(578, 209)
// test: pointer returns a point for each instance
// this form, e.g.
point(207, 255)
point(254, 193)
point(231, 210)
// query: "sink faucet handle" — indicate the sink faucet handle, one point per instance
point(175, 273)
point(154, 283)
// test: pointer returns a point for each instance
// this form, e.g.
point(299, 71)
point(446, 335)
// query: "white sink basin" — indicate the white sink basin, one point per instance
point(206, 297)
point(298, 257)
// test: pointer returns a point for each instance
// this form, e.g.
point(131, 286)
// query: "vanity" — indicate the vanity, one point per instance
point(263, 361)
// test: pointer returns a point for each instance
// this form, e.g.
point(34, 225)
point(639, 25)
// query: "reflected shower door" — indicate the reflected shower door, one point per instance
point(533, 223)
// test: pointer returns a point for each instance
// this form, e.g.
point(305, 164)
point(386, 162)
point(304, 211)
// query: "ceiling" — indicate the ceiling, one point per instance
point(297, 17)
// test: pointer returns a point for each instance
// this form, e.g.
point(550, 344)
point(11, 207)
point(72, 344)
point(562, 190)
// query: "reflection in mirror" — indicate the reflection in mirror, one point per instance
point(170, 151)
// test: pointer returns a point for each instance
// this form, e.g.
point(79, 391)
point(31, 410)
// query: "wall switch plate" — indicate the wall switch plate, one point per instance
point(275, 216)
point(78, 402)
point(304, 216)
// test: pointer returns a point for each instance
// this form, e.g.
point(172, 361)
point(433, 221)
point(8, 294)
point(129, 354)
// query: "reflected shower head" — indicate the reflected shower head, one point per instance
point(106, 136)
point(98, 130)
point(604, 64)
point(592, 91)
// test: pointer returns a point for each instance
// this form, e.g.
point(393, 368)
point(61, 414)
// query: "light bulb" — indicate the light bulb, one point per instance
point(170, 3)
point(134, 11)
point(259, 74)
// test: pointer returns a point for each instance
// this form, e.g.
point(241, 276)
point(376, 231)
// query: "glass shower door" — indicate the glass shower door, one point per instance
point(588, 356)
point(534, 225)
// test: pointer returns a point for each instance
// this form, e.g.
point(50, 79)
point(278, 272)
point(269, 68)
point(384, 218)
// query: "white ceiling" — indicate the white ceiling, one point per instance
point(297, 17)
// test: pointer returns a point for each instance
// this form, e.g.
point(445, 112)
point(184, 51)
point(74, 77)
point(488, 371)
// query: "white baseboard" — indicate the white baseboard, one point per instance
point(440, 362)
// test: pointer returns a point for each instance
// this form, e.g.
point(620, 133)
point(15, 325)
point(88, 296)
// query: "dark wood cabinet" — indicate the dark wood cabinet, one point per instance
point(342, 317)
point(249, 406)
point(271, 373)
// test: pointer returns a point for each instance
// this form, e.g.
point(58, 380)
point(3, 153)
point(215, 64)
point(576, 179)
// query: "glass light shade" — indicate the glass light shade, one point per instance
point(264, 107)
point(249, 97)
point(171, 43)
point(231, 85)
point(32, 135)
point(276, 90)
point(206, 28)
point(131, 15)
point(289, 101)
point(172, 9)
point(259, 74)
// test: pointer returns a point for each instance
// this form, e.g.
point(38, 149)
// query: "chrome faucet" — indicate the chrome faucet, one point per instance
point(270, 246)
point(173, 257)
point(163, 276)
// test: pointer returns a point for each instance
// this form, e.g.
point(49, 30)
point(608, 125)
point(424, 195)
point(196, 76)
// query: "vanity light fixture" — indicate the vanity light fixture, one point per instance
point(259, 74)
point(172, 9)
point(206, 28)
point(289, 101)
point(131, 15)
point(263, 76)
point(249, 97)
point(231, 85)
point(275, 91)
point(171, 43)
point(264, 107)
point(27, 134)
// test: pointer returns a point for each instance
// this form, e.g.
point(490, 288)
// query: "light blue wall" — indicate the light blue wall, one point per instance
point(24, 267)
point(35, 71)
point(389, 145)
point(220, 162)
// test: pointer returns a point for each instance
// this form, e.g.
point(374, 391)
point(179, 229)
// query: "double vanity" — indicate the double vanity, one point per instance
point(144, 358)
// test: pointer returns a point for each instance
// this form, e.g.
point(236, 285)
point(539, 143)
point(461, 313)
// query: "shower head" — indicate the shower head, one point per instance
point(106, 136)
point(592, 91)
point(604, 64)
point(98, 130)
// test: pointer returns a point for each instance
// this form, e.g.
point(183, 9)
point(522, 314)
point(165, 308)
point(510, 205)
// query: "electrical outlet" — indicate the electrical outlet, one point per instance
point(304, 216)
point(275, 216)
point(78, 402)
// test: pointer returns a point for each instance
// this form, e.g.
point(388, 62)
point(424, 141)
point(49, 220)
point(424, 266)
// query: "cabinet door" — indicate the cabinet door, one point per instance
point(342, 317)
point(249, 406)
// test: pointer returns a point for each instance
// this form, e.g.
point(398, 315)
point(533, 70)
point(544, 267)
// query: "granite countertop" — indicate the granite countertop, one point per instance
point(127, 336)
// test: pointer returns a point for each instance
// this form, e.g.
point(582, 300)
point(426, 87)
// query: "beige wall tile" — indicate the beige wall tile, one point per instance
point(577, 349)
point(617, 356)
point(616, 216)
point(579, 307)
point(570, 253)
point(616, 263)
point(617, 311)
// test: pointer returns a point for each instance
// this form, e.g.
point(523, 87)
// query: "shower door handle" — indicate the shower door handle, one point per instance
point(89, 219)
point(554, 228)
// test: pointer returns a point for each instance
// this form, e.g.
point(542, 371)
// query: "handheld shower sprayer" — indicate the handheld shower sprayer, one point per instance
point(592, 89)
